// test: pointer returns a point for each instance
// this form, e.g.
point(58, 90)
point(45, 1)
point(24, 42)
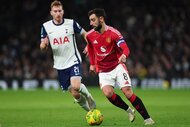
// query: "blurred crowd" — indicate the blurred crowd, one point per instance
point(157, 33)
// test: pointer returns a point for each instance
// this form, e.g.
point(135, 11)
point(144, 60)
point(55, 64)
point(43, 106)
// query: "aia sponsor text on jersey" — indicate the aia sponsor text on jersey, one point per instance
point(61, 40)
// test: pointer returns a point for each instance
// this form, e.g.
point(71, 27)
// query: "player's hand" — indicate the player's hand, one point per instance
point(93, 69)
point(85, 51)
point(122, 58)
point(44, 44)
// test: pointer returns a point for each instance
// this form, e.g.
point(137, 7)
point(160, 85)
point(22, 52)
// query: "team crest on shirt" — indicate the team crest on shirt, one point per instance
point(108, 39)
point(66, 31)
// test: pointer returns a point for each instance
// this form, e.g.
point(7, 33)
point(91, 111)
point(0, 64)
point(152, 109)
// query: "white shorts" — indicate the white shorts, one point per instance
point(117, 77)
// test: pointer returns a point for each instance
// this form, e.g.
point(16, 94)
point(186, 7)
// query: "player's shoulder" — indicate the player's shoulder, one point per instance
point(48, 22)
point(90, 32)
point(66, 20)
point(113, 30)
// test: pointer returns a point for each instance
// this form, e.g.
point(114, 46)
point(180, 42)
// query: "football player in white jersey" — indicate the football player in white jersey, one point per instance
point(60, 34)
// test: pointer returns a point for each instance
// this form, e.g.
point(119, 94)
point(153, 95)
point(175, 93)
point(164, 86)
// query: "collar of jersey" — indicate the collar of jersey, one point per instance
point(58, 24)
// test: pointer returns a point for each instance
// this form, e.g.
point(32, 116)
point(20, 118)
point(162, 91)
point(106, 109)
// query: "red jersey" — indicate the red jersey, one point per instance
point(105, 49)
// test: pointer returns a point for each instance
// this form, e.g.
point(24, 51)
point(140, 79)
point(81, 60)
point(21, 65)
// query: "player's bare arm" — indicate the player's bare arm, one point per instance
point(93, 69)
point(84, 34)
point(85, 51)
point(126, 51)
point(44, 44)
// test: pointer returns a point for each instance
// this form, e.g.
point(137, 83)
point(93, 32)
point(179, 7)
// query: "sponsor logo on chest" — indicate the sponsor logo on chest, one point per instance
point(61, 40)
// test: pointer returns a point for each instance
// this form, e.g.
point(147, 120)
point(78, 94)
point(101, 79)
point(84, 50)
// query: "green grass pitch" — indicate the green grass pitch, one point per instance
point(169, 108)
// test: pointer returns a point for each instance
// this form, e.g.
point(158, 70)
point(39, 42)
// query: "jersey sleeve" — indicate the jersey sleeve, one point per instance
point(120, 41)
point(43, 32)
point(77, 27)
point(125, 49)
point(118, 37)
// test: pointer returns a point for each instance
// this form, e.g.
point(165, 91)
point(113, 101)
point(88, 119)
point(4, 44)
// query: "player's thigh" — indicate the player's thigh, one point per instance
point(108, 90)
point(123, 79)
point(106, 79)
point(75, 74)
point(64, 79)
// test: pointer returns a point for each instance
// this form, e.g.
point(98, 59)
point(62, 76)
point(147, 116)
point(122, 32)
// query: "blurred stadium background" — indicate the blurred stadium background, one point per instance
point(157, 33)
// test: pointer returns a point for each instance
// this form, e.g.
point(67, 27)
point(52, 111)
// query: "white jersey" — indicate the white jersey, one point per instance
point(63, 43)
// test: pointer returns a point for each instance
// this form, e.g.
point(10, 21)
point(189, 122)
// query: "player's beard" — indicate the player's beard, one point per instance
point(98, 28)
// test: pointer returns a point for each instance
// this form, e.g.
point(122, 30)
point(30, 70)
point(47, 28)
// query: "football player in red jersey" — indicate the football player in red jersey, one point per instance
point(108, 52)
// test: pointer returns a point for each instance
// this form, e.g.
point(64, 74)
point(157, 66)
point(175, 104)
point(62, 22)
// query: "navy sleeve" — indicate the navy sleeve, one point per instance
point(43, 32)
point(77, 27)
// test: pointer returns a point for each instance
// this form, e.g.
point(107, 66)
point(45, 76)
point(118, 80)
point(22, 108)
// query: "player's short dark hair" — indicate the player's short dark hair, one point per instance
point(98, 12)
point(56, 3)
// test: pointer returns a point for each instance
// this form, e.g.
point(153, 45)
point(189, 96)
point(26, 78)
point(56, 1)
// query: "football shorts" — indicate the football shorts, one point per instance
point(65, 75)
point(118, 77)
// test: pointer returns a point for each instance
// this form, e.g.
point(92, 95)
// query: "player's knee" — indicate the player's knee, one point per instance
point(75, 93)
point(108, 94)
point(74, 90)
point(75, 84)
point(75, 87)
point(108, 91)
point(127, 92)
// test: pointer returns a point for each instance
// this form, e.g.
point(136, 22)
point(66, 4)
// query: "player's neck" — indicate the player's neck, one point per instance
point(103, 28)
point(57, 22)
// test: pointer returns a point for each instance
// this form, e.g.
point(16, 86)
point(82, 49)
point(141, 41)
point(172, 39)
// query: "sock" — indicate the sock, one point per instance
point(139, 106)
point(117, 101)
point(84, 91)
point(82, 102)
